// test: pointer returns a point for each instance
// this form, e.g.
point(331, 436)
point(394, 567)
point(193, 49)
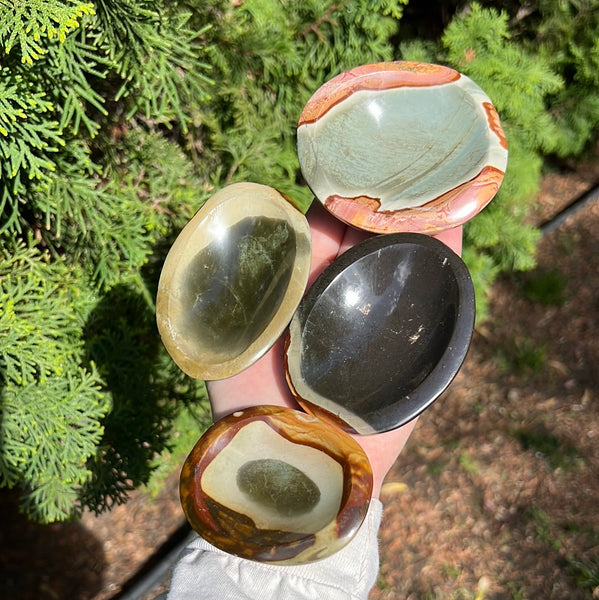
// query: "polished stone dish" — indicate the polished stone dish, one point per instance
point(276, 485)
point(402, 146)
point(381, 333)
point(232, 280)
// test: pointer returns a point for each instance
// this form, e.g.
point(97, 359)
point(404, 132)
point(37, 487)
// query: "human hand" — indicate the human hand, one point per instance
point(264, 382)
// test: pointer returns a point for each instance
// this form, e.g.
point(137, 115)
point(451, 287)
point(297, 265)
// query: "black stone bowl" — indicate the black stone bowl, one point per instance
point(381, 333)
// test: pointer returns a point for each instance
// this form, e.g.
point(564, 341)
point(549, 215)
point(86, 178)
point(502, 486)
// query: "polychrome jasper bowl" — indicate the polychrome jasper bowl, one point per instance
point(381, 333)
point(402, 146)
point(276, 485)
point(232, 280)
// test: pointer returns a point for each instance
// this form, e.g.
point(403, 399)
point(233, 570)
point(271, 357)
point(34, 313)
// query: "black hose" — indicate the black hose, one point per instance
point(572, 208)
point(158, 568)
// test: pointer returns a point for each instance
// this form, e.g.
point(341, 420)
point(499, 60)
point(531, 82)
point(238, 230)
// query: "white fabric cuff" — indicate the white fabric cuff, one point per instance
point(207, 573)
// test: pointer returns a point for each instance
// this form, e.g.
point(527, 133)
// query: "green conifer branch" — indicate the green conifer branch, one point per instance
point(172, 80)
point(29, 140)
point(46, 443)
point(568, 38)
point(30, 24)
point(40, 315)
point(157, 56)
point(26, 133)
point(70, 67)
point(52, 406)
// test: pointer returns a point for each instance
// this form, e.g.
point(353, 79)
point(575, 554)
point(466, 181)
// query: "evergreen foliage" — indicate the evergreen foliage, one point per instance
point(480, 46)
point(86, 196)
point(478, 43)
point(118, 118)
point(52, 405)
point(29, 26)
point(567, 36)
point(269, 57)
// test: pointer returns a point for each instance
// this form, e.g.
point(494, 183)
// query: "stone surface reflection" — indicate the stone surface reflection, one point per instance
point(402, 146)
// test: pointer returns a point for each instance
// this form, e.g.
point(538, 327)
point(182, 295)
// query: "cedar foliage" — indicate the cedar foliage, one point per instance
point(118, 118)
point(88, 186)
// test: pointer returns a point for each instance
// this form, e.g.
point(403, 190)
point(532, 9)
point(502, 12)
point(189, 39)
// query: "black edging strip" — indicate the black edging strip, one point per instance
point(578, 204)
point(158, 568)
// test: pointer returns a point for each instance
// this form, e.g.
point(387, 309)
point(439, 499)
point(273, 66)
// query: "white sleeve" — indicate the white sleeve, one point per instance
point(207, 573)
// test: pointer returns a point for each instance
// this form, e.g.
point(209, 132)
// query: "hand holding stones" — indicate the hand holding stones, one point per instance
point(374, 341)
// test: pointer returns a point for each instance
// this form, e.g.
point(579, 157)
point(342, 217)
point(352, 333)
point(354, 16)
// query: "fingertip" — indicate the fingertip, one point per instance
point(452, 238)
point(327, 236)
point(352, 237)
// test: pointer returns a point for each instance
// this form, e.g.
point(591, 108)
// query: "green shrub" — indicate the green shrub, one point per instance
point(479, 45)
point(539, 63)
point(89, 184)
point(269, 57)
point(52, 403)
point(566, 34)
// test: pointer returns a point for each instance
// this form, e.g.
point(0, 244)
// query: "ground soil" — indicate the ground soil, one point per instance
point(495, 496)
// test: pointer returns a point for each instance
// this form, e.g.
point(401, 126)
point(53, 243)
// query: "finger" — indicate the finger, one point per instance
point(352, 237)
point(452, 238)
point(382, 450)
point(327, 236)
point(264, 382)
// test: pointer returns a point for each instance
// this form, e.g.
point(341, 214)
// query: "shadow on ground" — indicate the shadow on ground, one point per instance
point(32, 555)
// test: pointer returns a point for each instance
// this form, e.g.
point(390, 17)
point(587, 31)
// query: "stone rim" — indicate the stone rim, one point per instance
point(365, 210)
point(180, 349)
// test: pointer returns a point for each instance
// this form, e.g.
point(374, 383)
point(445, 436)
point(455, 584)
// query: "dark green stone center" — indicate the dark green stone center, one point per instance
point(234, 286)
point(279, 486)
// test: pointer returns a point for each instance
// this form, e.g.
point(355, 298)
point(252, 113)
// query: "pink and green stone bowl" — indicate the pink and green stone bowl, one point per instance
point(402, 146)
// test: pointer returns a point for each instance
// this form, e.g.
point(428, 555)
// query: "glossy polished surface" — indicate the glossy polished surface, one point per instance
point(381, 333)
point(232, 280)
point(402, 146)
point(276, 485)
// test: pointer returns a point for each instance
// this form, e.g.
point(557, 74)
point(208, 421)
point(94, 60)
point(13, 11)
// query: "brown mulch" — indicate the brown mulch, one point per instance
point(500, 480)
point(495, 496)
